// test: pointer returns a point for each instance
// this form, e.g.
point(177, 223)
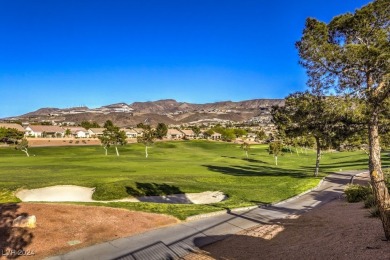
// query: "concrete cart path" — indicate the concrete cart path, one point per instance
point(176, 241)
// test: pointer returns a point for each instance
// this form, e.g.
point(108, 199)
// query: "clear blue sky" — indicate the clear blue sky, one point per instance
point(62, 53)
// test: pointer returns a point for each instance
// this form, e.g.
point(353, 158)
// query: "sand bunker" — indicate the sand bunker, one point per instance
point(83, 194)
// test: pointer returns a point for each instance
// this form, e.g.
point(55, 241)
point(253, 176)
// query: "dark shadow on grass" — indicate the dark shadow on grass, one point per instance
point(245, 159)
point(254, 160)
point(158, 193)
point(252, 170)
point(331, 167)
point(152, 189)
point(13, 240)
point(230, 157)
point(133, 192)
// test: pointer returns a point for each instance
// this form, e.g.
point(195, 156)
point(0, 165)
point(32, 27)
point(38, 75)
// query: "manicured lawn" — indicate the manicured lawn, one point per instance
point(172, 167)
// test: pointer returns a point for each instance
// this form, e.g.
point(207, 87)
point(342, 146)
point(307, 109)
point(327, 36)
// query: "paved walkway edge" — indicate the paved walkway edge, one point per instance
point(238, 210)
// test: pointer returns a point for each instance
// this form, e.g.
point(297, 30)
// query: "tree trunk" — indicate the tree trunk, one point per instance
point(276, 160)
point(25, 150)
point(246, 153)
point(116, 149)
point(146, 151)
point(105, 148)
point(296, 149)
point(377, 178)
point(318, 156)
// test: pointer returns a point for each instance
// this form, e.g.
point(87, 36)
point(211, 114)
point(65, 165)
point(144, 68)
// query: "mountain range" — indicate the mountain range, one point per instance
point(167, 111)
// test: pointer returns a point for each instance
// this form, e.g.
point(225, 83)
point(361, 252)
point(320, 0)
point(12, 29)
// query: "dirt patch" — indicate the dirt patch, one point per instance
point(62, 228)
point(43, 142)
point(37, 142)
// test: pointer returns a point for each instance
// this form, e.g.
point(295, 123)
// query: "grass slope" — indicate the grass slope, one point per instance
point(172, 167)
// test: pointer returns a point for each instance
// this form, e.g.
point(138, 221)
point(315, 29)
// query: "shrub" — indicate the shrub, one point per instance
point(356, 193)
point(374, 212)
point(369, 202)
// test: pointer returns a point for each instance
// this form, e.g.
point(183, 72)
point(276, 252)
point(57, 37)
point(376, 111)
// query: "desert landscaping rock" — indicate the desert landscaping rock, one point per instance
point(25, 222)
point(72, 193)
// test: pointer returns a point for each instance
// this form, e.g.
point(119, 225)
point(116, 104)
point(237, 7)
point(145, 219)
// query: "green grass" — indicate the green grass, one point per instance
point(172, 167)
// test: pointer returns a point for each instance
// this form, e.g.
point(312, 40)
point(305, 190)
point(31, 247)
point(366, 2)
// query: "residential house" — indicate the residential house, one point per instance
point(139, 131)
point(96, 132)
point(215, 136)
point(188, 134)
point(251, 137)
point(44, 131)
point(130, 133)
point(202, 135)
point(174, 134)
point(78, 132)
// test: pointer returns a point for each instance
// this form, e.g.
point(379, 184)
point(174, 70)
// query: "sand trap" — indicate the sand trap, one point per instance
point(84, 194)
point(57, 193)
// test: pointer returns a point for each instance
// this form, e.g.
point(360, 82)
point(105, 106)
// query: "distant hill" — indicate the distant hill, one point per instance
point(168, 111)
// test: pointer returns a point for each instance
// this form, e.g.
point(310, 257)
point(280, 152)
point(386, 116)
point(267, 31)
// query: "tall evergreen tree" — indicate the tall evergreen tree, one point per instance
point(351, 55)
point(161, 130)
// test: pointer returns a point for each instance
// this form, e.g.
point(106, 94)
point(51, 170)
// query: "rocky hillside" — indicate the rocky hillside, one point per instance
point(171, 105)
point(168, 111)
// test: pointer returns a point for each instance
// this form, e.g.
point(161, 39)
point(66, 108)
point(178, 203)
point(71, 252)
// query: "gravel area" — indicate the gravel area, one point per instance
point(62, 228)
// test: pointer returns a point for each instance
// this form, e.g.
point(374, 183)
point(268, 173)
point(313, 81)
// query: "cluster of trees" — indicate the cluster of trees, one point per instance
point(89, 124)
point(348, 57)
point(112, 136)
point(313, 119)
point(230, 134)
point(11, 135)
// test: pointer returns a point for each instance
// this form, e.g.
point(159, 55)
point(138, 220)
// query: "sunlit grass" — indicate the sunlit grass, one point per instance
point(191, 166)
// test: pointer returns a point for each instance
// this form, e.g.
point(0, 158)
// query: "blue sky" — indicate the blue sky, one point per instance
point(63, 53)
